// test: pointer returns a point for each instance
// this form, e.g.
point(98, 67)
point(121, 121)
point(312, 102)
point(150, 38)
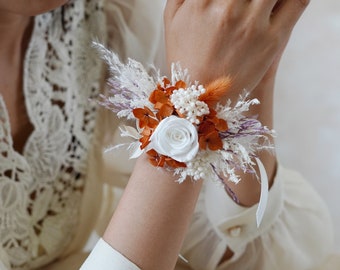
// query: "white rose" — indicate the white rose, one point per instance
point(175, 137)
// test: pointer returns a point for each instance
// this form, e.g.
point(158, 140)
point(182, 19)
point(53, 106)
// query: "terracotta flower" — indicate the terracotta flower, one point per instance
point(158, 160)
point(146, 117)
point(209, 137)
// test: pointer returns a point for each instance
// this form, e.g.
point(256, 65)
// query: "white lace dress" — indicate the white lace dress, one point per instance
point(51, 195)
point(42, 190)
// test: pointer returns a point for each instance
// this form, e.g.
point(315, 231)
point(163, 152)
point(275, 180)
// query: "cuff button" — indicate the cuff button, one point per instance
point(234, 231)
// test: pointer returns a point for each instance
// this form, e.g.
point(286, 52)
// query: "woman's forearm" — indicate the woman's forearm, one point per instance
point(248, 190)
point(153, 215)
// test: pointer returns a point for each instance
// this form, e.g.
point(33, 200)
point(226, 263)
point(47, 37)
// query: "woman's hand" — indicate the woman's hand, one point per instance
point(240, 38)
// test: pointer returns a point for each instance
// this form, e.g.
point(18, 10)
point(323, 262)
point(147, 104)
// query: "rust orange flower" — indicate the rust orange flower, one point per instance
point(220, 124)
point(146, 117)
point(206, 127)
point(145, 139)
point(155, 159)
point(165, 111)
point(180, 84)
point(174, 163)
point(211, 140)
point(166, 81)
point(159, 98)
point(160, 160)
point(208, 136)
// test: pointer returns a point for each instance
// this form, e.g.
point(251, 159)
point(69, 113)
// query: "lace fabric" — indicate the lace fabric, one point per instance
point(41, 190)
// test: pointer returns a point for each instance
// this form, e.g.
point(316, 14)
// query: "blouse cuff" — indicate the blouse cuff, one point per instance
point(240, 228)
point(105, 257)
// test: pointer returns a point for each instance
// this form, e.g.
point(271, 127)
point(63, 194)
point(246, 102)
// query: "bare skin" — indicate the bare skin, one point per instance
point(16, 23)
point(29, 8)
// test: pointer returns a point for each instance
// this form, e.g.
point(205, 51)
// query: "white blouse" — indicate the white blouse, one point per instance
point(57, 192)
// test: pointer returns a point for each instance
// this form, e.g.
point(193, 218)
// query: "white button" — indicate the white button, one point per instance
point(235, 231)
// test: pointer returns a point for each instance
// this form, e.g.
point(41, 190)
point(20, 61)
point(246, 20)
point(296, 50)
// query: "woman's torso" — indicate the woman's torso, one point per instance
point(42, 188)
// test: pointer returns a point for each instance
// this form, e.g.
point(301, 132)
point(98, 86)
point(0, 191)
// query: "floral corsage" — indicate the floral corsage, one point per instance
point(183, 126)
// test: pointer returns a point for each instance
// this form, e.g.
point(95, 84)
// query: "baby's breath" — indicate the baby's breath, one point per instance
point(187, 103)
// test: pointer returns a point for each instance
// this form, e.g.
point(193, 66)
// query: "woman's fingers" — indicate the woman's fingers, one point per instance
point(264, 8)
point(218, 37)
point(288, 13)
point(172, 7)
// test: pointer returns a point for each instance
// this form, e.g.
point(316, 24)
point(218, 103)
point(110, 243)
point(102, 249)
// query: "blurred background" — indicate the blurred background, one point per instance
point(307, 111)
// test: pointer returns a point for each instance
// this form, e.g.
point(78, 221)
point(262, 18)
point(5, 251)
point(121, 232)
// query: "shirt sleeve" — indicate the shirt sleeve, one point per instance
point(135, 28)
point(296, 231)
point(104, 257)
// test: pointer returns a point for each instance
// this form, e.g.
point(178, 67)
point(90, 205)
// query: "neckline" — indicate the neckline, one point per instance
point(3, 106)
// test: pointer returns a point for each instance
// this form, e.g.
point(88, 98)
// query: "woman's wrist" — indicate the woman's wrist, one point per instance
point(248, 190)
point(154, 210)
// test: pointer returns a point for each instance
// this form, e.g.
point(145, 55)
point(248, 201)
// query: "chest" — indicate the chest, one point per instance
point(46, 131)
point(14, 101)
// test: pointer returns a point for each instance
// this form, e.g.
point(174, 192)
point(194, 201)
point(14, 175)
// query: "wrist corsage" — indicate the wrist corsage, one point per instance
point(184, 126)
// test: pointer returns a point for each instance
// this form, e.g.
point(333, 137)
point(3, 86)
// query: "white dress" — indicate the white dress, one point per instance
point(55, 194)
